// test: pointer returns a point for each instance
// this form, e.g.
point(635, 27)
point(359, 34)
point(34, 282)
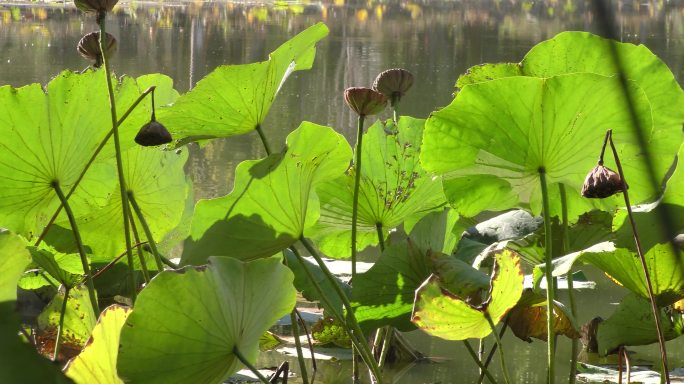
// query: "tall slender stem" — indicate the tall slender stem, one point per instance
point(565, 247)
point(91, 161)
point(395, 108)
point(507, 378)
point(117, 148)
point(548, 240)
point(386, 343)
point(490, 355)
point(644, 266)
point(473, 354)
point(357, 184)
point(267, 147)
point(249, 365)
point(298, 347)
point(357, 333)
point(308, 340)
point(141, 254)
point(79, 245)
point(146, 229)
point(381, 236)
point(60, 330)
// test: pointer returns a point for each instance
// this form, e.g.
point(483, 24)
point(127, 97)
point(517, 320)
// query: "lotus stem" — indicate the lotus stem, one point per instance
point(141, 255)
point(548, 240)
point(490, 355)
point(381, 236)
point(267, 148)
point(119, 162)
point(146, 229)
point(308, 340)
point(483, 368)
point(298, 346)
point(357, 184)
point(395, 107)
point(507, 378)
point(565, 247)
point(249, 365)
point(644, 266)
point(91, 161)
point(357, 333)
point(60, 330)
point(79, 245)
point(386, 342)
point(110, 264)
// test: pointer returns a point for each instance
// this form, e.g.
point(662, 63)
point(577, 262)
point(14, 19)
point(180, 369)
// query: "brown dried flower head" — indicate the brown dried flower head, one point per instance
point(95, 5)
point(153, 133)
point(365, 101)
point(393, 83)
point(602, 182)
point(89, 47)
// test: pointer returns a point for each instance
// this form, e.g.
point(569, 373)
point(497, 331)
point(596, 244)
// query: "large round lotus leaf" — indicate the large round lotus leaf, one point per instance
point(97, 362)
point(234, 99)
point(49, 136)
point(393, 187)
point(632, 324)
point(571, 52)
point(441, 313)
point(186, 323)
point(158, 183)
point(492, 140)
point(273, 201)
point(20, 362)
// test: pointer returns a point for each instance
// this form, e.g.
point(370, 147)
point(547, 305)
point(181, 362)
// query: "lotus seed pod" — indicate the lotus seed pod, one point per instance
point(89, 47)
point(153, 133)
point(365, 101)
point(95, 5)
point(602, 182)
point(393, 83)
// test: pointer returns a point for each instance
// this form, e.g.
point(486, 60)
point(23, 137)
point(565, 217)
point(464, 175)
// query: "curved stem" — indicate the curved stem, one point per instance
point(249, 365)
point(644, 266)
point(386, 342)
point(119, 162)
point(548, 240)
point(60, 330)
point(79, 246)
point(298, 347)
point(565, 247)
point(141, 254)
point(490, 355)
point(146, 229)
point(507, 378)
point(357, 184)
point(473, 354)
point(91, 161)
point(357, 333)
point(267, 148)
point(381, 236)
point(308, 340)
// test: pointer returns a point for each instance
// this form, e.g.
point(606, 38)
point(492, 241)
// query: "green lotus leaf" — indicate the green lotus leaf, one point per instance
point(459, 277)
point(79, 318)
point(393, 188)
point(20, 362)
point(186, 323)
point(269, 341)
point(48, 136)
point(571, 52)
point(235, 99)
point(304, 284)
point(273, 200)
point(441, 313)
point(97, 362)
point(65, 268)
point(496, 136)
point(623, 265)
point(438, 231)
point(632, 324)
point(329, 331)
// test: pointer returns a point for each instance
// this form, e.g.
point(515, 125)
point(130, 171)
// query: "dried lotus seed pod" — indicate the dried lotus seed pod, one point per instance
point(365, 101)
point(153, 133)
point(393, 83)
point(98, 6)
point(602, 182)
point(89, 47)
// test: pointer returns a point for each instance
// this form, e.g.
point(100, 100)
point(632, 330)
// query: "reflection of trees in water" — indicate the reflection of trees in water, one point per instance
point(437, 40)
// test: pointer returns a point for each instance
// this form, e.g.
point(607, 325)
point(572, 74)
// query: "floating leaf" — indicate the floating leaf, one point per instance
point(632, 324)
point(235, 99)
point(528, 318)
point(273, 200)
point(393, 187)
point(20, 362)
point(443, 314)
point(97, 362)
point(494, 138)
point(186, 323)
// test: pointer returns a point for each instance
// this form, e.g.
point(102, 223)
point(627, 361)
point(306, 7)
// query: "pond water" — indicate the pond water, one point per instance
point(436, 40)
